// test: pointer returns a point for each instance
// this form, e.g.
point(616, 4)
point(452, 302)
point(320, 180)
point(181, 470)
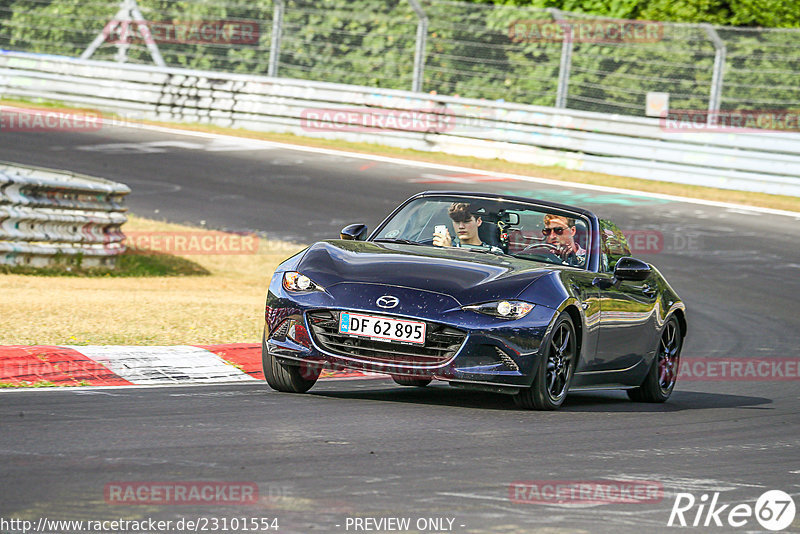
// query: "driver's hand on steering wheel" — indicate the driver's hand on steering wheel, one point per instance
point(442, 240)
point(563, 250)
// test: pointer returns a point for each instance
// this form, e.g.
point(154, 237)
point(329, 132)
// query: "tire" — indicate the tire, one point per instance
point(411, 381)
point(556, 367)
point(663, 373)
point(287, 378)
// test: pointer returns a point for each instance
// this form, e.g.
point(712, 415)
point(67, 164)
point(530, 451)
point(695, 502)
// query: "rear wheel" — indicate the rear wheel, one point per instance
point(550, 386)
point(411, 381)
point(660, 380)
point(287, 378)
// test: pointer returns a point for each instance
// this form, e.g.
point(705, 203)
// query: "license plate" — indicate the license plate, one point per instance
point(382, 328)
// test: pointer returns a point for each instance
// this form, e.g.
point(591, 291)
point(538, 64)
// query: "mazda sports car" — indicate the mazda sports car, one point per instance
point(494, 293)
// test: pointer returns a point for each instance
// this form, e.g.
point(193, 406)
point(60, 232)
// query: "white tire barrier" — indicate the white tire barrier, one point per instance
point(49, 217)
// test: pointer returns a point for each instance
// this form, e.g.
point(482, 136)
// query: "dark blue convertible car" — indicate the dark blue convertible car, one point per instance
point(495, 293)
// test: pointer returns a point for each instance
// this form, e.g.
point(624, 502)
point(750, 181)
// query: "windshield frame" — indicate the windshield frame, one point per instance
point(589, 218)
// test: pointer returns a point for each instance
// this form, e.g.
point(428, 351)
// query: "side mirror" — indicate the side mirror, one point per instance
point(631, 269)
point(354, 232)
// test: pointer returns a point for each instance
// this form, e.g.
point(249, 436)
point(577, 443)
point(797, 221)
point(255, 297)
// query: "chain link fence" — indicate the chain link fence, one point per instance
point(509, 53)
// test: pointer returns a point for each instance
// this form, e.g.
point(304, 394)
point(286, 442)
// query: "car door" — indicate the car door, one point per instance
point(627, 308)
point(581, 285)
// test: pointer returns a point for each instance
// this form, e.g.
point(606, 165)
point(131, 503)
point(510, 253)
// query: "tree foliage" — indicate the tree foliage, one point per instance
point(764, 13)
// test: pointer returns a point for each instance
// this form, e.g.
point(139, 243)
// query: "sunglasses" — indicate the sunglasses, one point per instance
point(558, 230)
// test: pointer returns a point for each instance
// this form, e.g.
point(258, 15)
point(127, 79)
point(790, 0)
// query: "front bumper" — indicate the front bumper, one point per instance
point(491, 352)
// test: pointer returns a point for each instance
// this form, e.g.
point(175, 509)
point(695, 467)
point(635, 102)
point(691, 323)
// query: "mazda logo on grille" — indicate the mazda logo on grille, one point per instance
point(388, 301)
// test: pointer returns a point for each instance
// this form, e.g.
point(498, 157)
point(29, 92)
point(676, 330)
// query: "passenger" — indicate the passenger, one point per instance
point(465, 225)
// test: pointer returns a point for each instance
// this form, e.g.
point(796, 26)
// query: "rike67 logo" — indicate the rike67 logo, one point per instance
point(774, 510)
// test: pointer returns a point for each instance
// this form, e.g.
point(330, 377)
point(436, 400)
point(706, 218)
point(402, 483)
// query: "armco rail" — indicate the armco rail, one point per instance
point(48, 216)
point(615, 144)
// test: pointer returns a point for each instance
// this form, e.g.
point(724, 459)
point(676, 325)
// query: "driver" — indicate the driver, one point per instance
point(465, 225)
point(559, 231)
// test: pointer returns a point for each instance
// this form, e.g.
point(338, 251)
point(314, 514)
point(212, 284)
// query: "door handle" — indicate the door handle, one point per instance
point(649, 291)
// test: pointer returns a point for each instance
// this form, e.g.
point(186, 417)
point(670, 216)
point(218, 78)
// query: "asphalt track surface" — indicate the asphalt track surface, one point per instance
point(367, 448)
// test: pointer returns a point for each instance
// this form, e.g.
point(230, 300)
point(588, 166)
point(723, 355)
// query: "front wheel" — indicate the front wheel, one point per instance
point(287, 378)
point(557, 363)
point(660, 380)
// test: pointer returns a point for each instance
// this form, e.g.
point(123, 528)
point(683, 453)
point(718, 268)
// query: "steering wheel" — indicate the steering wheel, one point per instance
point(553, 248)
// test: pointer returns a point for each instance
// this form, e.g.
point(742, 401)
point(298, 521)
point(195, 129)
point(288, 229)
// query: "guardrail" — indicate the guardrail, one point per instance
point(639, 147)
point(49, 217)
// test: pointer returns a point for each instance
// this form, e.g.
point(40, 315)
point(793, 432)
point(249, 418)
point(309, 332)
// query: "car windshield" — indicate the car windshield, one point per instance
point(491, 226)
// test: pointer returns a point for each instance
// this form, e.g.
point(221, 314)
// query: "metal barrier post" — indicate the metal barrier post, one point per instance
point(566, 59)
point(277, 33)
point(419, 52)
point(714, 99)
point(128, 14)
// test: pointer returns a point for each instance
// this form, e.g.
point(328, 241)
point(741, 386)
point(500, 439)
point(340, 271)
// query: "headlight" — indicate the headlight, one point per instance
point(504, 309)
point(294, 281)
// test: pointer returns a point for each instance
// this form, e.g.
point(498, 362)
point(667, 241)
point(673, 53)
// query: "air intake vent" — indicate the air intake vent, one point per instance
point(506, 359)
point(279, 334)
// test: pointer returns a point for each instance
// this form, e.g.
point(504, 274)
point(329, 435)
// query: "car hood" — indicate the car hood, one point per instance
point(469, 277)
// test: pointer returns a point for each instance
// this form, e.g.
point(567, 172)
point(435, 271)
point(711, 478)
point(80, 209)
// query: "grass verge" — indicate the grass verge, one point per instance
point(38, 384)
point(128, 265)
point(781, 202)
point(154, 300)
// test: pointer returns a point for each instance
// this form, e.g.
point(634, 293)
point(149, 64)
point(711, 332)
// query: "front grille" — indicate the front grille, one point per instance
point(441, 342)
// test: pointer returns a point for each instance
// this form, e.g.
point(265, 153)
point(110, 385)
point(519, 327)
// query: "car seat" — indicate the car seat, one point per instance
point(490, 234)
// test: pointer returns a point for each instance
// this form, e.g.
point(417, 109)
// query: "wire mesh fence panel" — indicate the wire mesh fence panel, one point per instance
point(473, 52)
point(222, 35)
point(368, 42)
point(762, 71)
point(497, 52)
point(614, 76)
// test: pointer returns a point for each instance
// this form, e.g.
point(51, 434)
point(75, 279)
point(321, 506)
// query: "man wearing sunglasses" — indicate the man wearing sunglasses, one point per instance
point(559, 231)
